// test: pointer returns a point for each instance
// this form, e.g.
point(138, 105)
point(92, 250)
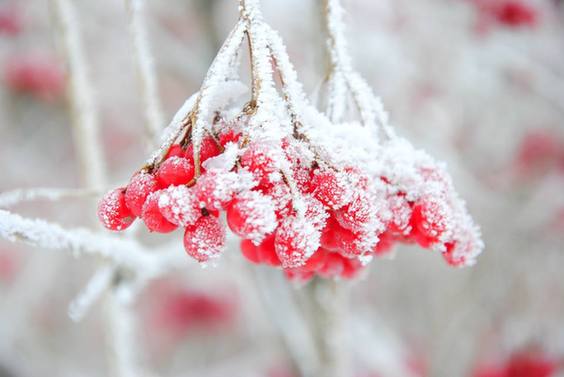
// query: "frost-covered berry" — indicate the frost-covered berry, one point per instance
point(112, 211)
point(205, 239)
point(152, 216)
point(216, 188)
point(295, 242)
point(329, 239)
point(251, 215)
point(175, 171)
point(356, 215)
point(228, 136)
point(400, 213)
point(315, 212)
point(179, 205)
point(259, 160)
point(281, 196)
point(208, 149)
point(140, 186)
point(429, 220)
point(331, 189)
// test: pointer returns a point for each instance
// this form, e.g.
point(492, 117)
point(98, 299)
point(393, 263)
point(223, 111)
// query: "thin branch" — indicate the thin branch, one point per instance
point(37, 232)
point(97, 285)
point(86, 127)
point(146, 70)
point(11, 198)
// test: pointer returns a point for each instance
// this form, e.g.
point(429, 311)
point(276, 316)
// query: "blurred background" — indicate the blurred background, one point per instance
point(477, 83)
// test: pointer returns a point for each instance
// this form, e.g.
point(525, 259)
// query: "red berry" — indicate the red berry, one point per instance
point(39, 76)
point(351, 268)
point(112, 211)
point(329, 239)
point(298, 275)
point(228, 136)
point(333, 267)
point(175, 151)
point(331, 189)
point(295, 242)
point(266, 252)
point(259, 160)
point(429, 221)
point(282, 198)
point(152, 216)
point(400, 211)
point(216, 188)
point(208, 149)
point(205, 239)
point(516, 13)
point(175, 171)
point(317, 260)
point(356, 215)
point(385, 243)
point(530, 365)
point(250, 251)
point(251, 215)
point(179, 205)
point(10, 21)
point(315, 212)
point(136, 192)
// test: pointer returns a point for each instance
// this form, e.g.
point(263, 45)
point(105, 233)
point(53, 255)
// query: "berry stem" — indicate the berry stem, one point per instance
point(328, 298)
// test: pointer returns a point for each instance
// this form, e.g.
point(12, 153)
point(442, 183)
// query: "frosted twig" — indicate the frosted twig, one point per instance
point(146, 69)
point(219, 71)
point(47, 235)
point(93, 290)
point(81, 95)
point(328, 299)
point(13, 197)
point(370, 107)
point(121, 332)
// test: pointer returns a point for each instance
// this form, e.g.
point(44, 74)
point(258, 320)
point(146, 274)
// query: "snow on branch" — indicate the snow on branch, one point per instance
point(146, 69)
point(81, 95)
point(11, 198)
point(80, 241)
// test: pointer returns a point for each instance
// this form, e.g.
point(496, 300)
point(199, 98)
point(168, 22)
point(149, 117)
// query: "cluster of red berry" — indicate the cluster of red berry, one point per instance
point(292, 209)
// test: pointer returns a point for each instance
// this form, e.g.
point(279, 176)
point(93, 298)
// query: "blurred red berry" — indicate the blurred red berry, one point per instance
point(42, 77)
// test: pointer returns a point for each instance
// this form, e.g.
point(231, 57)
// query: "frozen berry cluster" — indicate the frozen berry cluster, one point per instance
point(291, 208)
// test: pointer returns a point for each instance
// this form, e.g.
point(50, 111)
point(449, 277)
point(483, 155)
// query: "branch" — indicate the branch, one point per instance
point(11, 198)
point(146, 69)
point(81, 96)
point(37, 232)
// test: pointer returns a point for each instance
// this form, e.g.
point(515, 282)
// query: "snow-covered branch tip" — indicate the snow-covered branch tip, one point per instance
point(14, 197)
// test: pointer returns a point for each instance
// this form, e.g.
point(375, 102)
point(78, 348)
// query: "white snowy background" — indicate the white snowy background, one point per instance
point(476, 96)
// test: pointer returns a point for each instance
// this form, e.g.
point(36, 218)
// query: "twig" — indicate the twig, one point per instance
point(146, 70)
point(11, 198)
point(81, 95)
